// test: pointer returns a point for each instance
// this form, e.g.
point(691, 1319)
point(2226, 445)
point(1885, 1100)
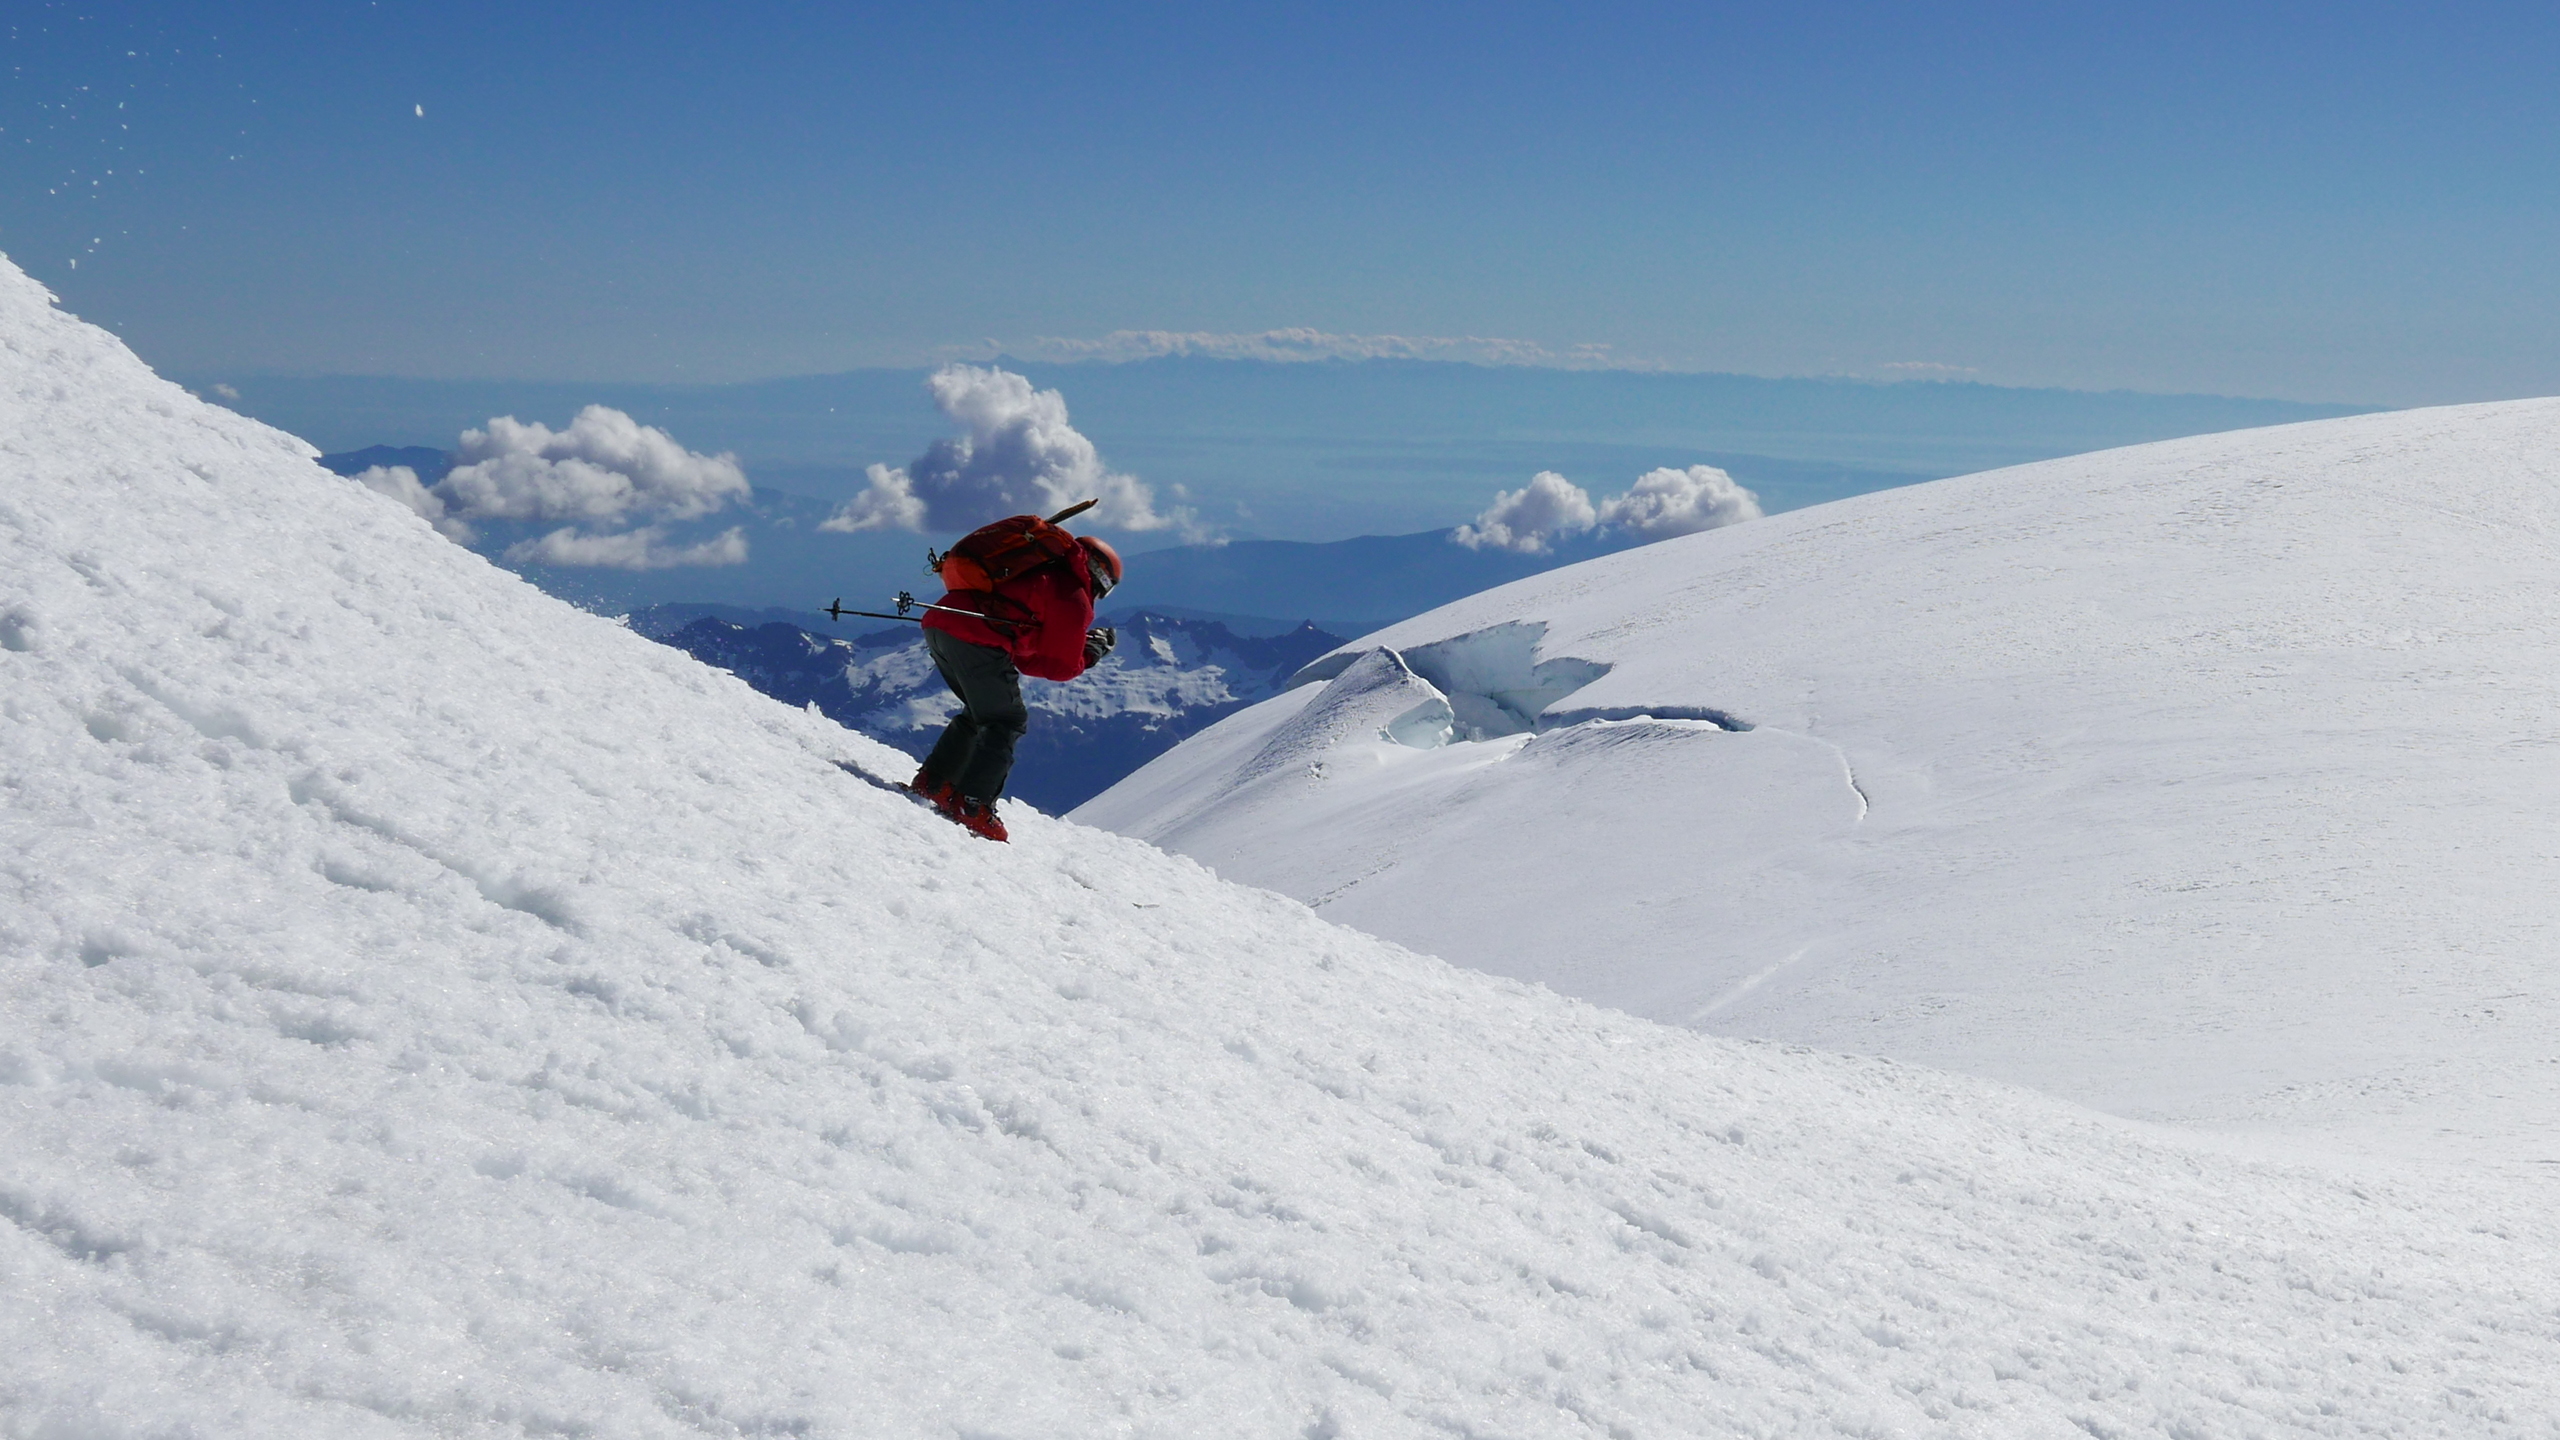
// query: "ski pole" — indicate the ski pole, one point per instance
point(906, 602)
point(837, 611)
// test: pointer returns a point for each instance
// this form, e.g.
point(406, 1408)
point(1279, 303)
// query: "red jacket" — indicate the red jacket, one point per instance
point(1038, 617)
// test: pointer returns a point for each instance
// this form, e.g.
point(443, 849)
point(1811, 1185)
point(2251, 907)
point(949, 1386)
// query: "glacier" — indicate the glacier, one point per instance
point(2209, 782)
point(427, 1009)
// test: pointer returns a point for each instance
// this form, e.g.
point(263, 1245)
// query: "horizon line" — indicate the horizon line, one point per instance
point(203, 381)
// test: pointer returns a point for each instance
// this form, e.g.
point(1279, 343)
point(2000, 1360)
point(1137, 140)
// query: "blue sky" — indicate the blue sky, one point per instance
point(2334, 202)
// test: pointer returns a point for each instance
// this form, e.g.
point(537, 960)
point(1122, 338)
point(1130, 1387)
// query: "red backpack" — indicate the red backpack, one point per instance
point(992, 554)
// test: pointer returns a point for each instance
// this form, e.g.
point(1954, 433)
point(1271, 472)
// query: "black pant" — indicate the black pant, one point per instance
point(975, 752)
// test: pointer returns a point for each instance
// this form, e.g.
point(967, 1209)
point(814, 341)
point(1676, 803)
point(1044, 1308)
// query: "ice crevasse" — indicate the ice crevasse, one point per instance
point(426, 1009)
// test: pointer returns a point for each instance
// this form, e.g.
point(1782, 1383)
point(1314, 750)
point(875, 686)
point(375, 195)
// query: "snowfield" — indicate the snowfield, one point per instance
point(428, 1010)
point(2214, 781)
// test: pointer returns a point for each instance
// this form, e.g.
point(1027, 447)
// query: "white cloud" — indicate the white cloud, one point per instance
point(1662, 503)
point(890, 502)
point(1531, 519)
point(1926, 370)
point(607, 472)
point(401, 484)
point(1016, 453)
point(1667, 502)
point(1304, 344)
point(606, 467)
point(643, 549)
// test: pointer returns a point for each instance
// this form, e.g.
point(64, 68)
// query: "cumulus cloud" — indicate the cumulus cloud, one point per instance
point(401, 484)
point(1662, 503)
point(1667, 502)
point(1531, 519)
point(620, 482)
point(642, 549)
point(1303, 344)
point(1015, 453)
point(606, 467)
point(889, 502)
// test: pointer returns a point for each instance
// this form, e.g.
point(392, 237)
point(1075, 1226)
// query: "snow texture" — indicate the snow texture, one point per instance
point(428, 1010)
point(2210, 781)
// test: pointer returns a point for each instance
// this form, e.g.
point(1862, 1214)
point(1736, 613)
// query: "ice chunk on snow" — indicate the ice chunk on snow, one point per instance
point(1492, 680)
point(1426, 726)
point(1376, 695)
point(1495, 680)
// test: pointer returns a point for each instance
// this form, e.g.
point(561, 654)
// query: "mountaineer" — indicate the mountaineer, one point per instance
point(1020, 602)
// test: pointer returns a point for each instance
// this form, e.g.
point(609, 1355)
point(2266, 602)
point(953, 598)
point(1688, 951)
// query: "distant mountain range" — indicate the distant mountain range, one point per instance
point(1170, 678)
point(1344, 586)
point(1359, 468)
point(1329, 450)
point(430, 463)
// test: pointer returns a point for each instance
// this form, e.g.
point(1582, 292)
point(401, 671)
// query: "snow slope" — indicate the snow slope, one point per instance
point(2215, 781)
point(427, 1009)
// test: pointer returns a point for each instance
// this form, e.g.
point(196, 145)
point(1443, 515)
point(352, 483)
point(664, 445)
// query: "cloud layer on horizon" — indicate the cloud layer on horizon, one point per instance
point(1016, 454)
point(616, 480)
point(1662, 503)
point(1302, 344)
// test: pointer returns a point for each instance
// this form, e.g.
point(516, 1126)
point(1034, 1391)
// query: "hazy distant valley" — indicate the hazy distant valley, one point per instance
point(1168, 679)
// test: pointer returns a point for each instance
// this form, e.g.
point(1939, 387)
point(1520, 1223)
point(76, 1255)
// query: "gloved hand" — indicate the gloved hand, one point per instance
point(1098, 643)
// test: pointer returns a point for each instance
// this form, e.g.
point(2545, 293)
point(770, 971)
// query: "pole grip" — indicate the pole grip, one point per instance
point(1072, 511)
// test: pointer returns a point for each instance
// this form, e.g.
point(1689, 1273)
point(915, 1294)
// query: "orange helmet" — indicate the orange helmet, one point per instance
point(1103, 561)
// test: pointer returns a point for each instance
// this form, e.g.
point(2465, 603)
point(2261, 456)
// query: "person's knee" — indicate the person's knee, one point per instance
point(1010, 719)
